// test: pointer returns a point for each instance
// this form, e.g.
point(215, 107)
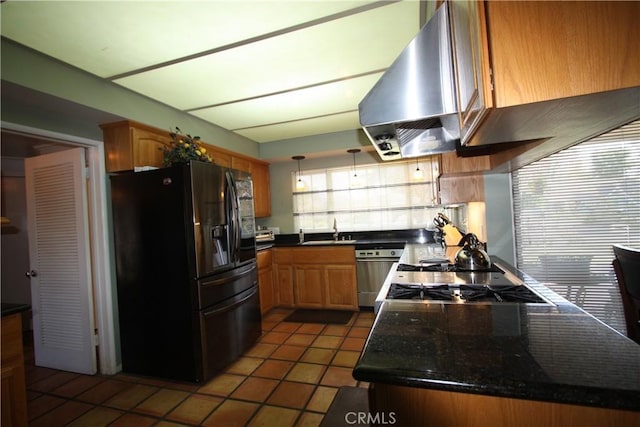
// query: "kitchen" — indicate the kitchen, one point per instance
point(281, 177)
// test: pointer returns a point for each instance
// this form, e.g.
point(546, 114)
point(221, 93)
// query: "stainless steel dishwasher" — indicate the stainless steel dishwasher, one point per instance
point(372, 267)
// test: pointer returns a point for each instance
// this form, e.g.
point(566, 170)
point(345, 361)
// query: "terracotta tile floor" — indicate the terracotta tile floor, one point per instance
point(289, 378)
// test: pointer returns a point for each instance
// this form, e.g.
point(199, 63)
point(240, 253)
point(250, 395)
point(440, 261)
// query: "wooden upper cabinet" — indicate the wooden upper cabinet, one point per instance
point(548, 50)
point(471, 57)
point(462, 178)
point(219, 157)
point(261, 189)
point(547, 71)
point(129, 144)
point(517, 52)
point(241, 164)
point(452, 163)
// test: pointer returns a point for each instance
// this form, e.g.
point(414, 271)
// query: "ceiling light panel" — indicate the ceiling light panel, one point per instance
point(319, 125)
point(301, 104)
point(338, 49)
point(108, 38)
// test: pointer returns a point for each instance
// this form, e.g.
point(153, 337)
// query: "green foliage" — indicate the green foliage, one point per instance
point(183, 148)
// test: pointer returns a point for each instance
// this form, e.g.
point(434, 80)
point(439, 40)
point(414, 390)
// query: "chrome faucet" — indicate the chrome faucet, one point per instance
point(335, 230)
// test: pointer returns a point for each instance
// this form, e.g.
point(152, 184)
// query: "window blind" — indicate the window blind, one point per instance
point(570, 208)
point(368, 197)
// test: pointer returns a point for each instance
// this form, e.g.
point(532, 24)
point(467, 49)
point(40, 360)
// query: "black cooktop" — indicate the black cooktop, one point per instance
point(445, 267)
point(463, 293)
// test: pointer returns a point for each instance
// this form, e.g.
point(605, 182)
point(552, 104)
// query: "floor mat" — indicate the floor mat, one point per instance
point(320, 316)
point(349, 404)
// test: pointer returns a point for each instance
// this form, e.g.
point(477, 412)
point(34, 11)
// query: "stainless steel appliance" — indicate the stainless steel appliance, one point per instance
point(412, 110)
point(265, 236)
point(447, 283)
point(372, 267)
point(186, 269)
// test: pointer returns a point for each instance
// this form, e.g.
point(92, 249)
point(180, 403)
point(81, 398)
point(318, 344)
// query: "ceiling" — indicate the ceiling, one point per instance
point(267, 70)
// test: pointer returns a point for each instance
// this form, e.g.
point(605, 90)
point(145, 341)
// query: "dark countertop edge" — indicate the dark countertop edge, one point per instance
point(11, 308)
point(579, 395)
point(618, 399)
point(396, 237)
point(364, 244)
point(262, 246)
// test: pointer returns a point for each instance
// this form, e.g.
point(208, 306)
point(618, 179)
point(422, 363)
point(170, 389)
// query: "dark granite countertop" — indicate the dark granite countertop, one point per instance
point(361, 239)
point(264, 245)
point(12, 308)
point(555, 353)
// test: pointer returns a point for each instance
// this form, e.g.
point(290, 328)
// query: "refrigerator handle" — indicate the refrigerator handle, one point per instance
point(235, 217)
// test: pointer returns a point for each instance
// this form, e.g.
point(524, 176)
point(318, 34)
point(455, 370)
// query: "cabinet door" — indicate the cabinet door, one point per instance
point(265, 280)
point(241, 164)
point(283, 286)
point(469, 38)
point(262, 192)
point(265, 284)
point(340, 287)
point(220, 158)
point(542, 51)
point(147, 147)
point(309, 286)
point(14, 392)
point(461, 188)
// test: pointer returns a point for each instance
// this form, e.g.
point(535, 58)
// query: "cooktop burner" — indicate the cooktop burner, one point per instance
point(445, 267)
point(463, 293)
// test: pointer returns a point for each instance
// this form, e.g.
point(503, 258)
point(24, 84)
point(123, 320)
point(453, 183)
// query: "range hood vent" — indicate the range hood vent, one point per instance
point(411, 111)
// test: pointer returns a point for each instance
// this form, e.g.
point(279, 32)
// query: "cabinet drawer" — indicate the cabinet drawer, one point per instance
point(325, 255)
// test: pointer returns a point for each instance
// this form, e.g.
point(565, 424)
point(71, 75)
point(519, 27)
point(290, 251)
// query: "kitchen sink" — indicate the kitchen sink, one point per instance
point(330, 242)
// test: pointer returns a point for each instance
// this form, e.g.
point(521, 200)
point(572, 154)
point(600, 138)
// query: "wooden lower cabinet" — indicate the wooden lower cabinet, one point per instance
point(308, 288)
point(319, 277)
point(409, 406)
point(265, 280)
point(283, 276)
point(14, 392)
point(340, 287)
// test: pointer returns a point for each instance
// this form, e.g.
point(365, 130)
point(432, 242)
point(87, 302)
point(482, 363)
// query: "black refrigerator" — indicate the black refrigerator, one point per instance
point(188, 301)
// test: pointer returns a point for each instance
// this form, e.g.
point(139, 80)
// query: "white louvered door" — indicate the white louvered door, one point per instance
point(59, 252)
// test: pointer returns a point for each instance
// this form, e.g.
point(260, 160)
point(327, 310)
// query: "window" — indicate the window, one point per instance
point(385, 196)
point(570, 208)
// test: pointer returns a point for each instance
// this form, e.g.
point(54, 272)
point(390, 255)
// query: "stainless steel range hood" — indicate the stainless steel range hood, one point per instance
point(412, 109)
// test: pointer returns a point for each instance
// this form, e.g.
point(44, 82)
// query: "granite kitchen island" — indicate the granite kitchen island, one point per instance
point(499, 364)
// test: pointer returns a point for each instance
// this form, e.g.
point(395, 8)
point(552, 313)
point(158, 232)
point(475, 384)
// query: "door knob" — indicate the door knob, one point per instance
point(31, 273)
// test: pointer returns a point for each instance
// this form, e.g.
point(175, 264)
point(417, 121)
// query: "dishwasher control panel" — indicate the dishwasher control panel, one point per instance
point(378, 253)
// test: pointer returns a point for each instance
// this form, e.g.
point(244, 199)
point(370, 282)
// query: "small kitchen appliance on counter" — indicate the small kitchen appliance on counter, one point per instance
point(265, 236)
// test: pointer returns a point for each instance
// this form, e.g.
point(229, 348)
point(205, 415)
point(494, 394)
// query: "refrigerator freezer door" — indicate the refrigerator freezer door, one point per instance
point(228, 330)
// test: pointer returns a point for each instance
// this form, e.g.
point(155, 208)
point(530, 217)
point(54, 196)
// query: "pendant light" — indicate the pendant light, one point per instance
point(299, 182)
point(355, 181)
point(418, 174)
